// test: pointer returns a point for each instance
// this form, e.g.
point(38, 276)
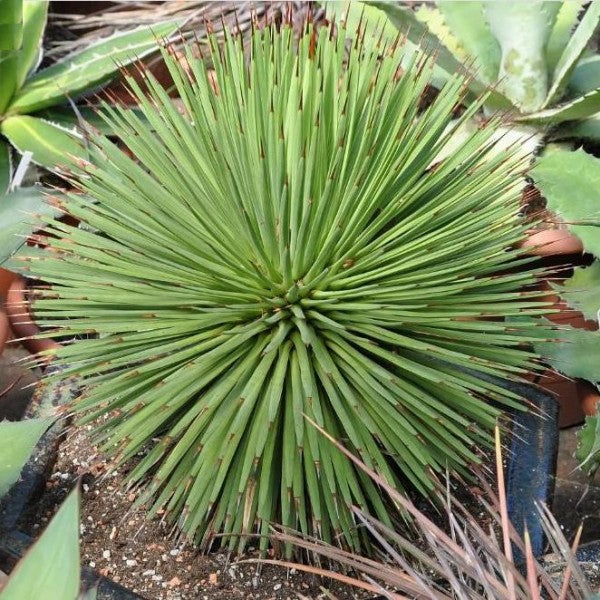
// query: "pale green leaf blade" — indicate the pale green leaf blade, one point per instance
point(35, 14)
point(65, 117)
point(17, 441)
point(467, 22)
point(573, 353)
point(8, 76)
point(11, 24)
point(570, 182)
point(5, 167)
point(582, 290)
point(586, 129)
point(52, 146)
point(588, 449)
point(50, 568)
point(573, 51)
point(566, 19)
point(19, 217)
point(586, 76)
point(84, 71)
point(579, 108)
point(522, 30)
point(11, 36)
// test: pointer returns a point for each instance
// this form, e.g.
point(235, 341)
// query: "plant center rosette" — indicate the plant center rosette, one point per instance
point(287, 250)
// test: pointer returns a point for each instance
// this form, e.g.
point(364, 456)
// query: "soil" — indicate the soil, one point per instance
point(122, 545)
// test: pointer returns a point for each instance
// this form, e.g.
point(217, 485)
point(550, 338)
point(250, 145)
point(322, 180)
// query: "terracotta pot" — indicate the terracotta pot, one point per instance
point(589, 396)
point(553, 242)
point(4, 330)
point(6, 278)
point(21, 322)
point(575, 398)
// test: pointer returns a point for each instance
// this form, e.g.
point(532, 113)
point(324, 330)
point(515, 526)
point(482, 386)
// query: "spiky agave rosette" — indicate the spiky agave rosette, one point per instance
point(287, 246)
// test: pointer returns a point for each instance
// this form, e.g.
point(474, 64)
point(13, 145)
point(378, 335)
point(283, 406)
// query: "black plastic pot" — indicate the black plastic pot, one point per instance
point(531, 464)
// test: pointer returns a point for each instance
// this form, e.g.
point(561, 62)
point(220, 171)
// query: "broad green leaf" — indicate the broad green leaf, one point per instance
point(579, 108)
point(65, 117)
point(5, 167)
point(431, 16)
point(17, 441)
point(573, 51)
point(573, 352)
point(586, 76)
point(586, 129)
point(82, 72)
point(588, 448)
point(52, 145)
point(50, 568)
point(582, 290)
point(8, 76)
point(522, 30)
point(467, 22)
point(11, 24)
point(566, 20)
point(19, 217)
point(407, 23)
point(35, 14)
point(570, 182)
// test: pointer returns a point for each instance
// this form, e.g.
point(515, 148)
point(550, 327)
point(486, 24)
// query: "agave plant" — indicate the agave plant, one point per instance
point(284, 247)
point(32, 113)
point(534, 53)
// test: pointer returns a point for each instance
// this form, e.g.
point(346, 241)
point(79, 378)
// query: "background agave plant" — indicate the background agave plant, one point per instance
point(288, 245)
point(32, 116)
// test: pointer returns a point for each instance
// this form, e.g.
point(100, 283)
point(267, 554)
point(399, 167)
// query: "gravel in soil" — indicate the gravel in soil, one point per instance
point(122, 545)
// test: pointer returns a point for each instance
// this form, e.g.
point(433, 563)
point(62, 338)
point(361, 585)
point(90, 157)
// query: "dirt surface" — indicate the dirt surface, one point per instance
point(139, 554)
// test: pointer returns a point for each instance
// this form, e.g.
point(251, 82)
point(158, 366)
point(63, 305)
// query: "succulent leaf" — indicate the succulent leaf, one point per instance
point(35, 15)
point(582, 291)
point(468, 24)
point(586, 129)
point(570, 180)
point(588, 449)
point(522, 30)
point(51, 144)
point(573, 352)
point(579, 108)
point(283, 249)
point(86, 70)
point(586, 76)
point(50, 568)
point(5, 167)
point(566, 21)
point(20, 213)
point(17, 441)
point(572, 53)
